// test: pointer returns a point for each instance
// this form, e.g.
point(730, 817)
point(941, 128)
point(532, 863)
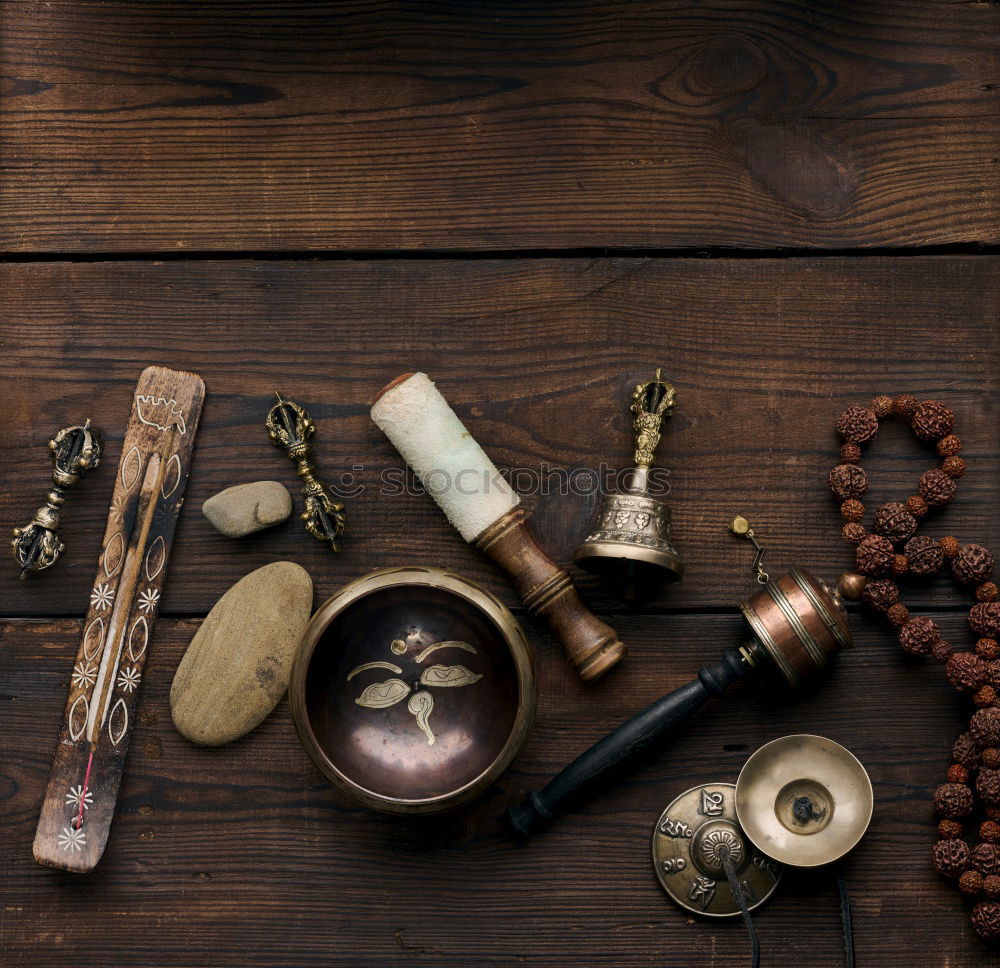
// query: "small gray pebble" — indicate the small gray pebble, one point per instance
point(246, 508)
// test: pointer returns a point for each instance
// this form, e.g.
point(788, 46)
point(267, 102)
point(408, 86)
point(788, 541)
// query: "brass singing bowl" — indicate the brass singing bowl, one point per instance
point(804, 800)
point(413, 689)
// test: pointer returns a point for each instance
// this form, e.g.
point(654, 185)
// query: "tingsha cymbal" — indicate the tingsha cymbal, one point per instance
point(804, 800)
point(688, 844)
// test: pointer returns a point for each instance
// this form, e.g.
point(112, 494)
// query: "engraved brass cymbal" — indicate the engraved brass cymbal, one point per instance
point(804, 800)
point(686, 853)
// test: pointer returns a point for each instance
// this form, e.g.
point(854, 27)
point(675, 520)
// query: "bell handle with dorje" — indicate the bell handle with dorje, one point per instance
point(627, 747)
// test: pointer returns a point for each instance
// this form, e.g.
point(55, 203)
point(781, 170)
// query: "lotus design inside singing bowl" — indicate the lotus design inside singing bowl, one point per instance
point(413, 689)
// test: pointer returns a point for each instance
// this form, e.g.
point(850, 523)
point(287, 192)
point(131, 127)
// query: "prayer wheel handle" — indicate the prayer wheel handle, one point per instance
point(626, 747)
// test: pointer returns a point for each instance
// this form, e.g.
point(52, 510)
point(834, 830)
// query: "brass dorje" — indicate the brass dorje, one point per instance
point(75, 450)
point(290, 427)
point(632, 538)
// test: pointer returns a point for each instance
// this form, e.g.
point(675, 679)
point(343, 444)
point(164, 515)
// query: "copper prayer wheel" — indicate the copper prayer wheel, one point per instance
point(799, 623)
point(798, 626)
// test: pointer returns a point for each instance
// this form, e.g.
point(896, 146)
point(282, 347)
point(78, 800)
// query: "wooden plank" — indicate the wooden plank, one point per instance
point(293, 126)
point(538, 359)
point(243, 855)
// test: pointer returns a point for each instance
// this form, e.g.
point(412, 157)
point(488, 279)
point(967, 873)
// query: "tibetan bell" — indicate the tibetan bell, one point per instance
point(632, 539)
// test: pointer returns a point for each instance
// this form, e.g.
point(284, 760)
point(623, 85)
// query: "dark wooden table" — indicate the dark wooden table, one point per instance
point(790, 207)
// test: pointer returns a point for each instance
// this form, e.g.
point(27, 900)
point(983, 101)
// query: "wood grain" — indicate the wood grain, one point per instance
point(453, 126)
point(244, 855)
point(538, 359)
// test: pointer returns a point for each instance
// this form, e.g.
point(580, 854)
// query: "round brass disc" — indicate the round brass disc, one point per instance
point(686, 853)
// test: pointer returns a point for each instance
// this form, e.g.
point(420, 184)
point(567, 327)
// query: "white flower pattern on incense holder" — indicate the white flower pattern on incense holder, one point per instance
point(102, 596)
point(72, 838)
point(84, 675)
point(76, 794)
point(148, 599)
point(128, 679)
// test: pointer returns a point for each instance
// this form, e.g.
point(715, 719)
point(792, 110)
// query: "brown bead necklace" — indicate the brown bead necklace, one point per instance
point(971, 794)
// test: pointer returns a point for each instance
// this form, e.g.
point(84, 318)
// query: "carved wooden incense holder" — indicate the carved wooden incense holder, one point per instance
point(93, 742)
point(798, 628)
point(481, 505)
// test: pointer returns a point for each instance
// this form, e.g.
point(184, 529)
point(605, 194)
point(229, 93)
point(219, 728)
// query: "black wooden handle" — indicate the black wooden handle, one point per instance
point(623, 749)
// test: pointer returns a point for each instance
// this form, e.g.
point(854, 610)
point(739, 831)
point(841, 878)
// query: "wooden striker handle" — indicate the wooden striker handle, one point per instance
point(547, 591)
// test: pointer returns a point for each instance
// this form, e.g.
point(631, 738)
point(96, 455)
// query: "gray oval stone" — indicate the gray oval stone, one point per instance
point(237, 666)
point(246, 508)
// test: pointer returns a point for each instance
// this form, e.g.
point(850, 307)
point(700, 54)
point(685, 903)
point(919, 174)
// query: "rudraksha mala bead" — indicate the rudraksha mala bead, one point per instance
point(949, 446)
point(881, 594)
point(918, 635)
point(894, 521)
point(857, 425)
point(988, 787)
point(932, 420)
point(874, 555)
point(951, 857)
point(954, 467)
point(898, 614)
point(973, 787)
point(924, 554)
point(882, 405)
point(936, 487)
point(966, 671)
point(986, 920)
point(984, 727)
point(849, 480)
point(950, 829)
point(985, 618)
point(973, 564)
point(970, 883)
point(854, 533)
point(985, 695)
point(966, 751)
point(953, 801)
point(986, 858)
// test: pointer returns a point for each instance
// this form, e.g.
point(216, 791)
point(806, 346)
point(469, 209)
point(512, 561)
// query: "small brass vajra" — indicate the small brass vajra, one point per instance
point(289, 426)
point(75, 450)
